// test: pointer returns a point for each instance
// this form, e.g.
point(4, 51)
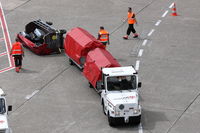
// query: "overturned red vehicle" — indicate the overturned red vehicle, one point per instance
point(78, 43)
point(41, 38)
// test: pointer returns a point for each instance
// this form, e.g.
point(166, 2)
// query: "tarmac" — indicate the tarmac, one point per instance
point(50, 96)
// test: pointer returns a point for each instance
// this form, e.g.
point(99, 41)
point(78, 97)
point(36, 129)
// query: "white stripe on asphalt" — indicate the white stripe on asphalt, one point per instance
point(171, 5)
point(6, 27)
point(1, 39)
point(2, 54)
point(140, 128)
point(150, 33)
point(144, 42)
point(140, 52)
point(137, 65)
point(158, 22)
point(29, 96)
point(6, 69)
point(165, 13)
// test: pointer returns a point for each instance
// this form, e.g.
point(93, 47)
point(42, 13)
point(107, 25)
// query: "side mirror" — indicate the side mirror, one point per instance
point(49, 23)
point(139, 84)
point(10, 108)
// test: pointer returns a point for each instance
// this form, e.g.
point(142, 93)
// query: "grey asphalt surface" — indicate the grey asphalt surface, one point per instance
point(63, 103)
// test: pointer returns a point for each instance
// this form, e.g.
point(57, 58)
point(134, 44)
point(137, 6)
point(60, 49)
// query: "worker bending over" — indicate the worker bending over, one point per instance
point(103, 36)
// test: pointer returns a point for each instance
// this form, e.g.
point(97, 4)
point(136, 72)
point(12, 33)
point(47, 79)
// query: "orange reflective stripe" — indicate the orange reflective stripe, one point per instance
point(130, 19)
point(104, 36)
point(17, 49)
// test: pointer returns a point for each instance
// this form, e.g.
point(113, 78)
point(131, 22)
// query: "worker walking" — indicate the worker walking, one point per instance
point(103, 36)
point(131, 21)
point(17, 52)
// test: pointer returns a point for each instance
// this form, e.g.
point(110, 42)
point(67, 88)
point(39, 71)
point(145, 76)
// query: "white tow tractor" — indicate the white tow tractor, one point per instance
point(4, 128)
point(119, 96)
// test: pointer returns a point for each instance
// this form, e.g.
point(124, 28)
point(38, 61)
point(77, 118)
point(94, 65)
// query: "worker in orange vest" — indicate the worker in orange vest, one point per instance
point(103, 36)
point(17, 52)
point(131, 21)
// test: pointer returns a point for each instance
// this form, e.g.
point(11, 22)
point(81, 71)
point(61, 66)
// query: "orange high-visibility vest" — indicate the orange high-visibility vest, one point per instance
point(17, 49)
point(104, 36)
point(131, 20)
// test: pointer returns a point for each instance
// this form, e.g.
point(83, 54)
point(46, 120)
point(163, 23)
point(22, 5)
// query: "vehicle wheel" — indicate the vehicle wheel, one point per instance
point(90, 85)
point(103, 108)
point(111, 120)
point(137, 120)
point(71, 62)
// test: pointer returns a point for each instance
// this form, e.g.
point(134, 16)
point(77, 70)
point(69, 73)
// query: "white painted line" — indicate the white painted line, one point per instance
point(144, 42)
point(8, 44)
point(2, 54)
point(171, 5)
point(165, 13)
point(137, 65)
point(140, 128)
point(140, 52)
point(1, 39)
point(150, 33)
point(158, 22)
point(6, 69)
point(29, 96)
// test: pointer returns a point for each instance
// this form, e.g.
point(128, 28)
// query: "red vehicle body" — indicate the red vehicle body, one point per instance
point(41, 38)
point(95, 61)
point(40, 50)
point(78, 43)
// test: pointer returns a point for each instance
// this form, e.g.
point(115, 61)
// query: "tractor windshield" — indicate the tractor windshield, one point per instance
point(2, 106)
point(121, 83)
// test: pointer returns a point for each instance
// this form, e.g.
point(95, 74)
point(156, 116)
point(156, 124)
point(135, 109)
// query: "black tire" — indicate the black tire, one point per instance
point(71, 62)
point(63, 31)
point(103, 107)
point(111, 120)
point(90, 85)
point(136, 120)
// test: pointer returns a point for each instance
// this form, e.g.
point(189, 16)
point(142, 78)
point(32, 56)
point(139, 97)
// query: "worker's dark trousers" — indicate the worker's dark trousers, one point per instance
point(130, 29)
point(18, 60)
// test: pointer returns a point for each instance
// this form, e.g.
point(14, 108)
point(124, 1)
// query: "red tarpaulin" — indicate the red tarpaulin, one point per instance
point(97, 59)
point(78, 43)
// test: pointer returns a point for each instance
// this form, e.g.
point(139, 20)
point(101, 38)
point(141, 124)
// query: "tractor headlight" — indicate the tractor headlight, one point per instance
point(136, 111)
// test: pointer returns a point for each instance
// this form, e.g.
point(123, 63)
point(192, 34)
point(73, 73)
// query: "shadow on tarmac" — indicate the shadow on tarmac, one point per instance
point(128, 127)
point(23, 70)
point(150, 118)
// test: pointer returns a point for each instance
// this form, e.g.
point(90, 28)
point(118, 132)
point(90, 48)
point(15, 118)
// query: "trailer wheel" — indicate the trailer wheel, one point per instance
point(90, 85)
point(71, 62)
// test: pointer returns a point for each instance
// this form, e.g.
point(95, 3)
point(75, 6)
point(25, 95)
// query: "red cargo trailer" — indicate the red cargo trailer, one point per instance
point(78, 43)
point(95, 61)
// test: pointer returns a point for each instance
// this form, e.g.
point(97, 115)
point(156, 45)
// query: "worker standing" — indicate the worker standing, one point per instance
point(103, 36)
point(17, 52)
point(131, 21)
